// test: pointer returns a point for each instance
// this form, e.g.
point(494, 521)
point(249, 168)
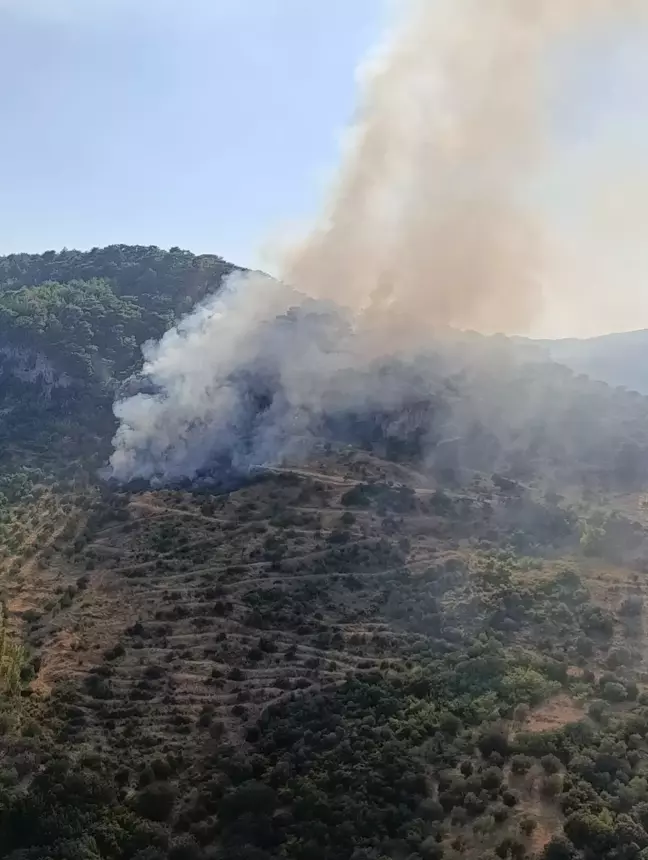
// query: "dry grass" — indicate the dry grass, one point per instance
point(554, 714)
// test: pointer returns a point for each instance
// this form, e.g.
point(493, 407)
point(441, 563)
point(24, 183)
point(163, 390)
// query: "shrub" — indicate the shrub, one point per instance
point(156, 801)
point(521, 764)
point(558, 848)
point(618, 657)
point(458, 815)
point(631, 607)
point(115, 652)
point(552, 785)
point(492, 778)
point(528, 824)
point(185, 848)
point(614, 692)
point(550, 763)
point(250, 797)
point(597, 709)
point(450, 723)
point(509, 798)
point(494, 741)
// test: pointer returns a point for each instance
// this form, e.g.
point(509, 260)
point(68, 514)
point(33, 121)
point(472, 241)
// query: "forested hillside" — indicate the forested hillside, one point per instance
point(71, 329)
point(426, 639)
point(89, 312)
point(72, 325)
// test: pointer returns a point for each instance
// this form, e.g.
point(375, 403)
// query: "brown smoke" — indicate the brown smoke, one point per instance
point(431, 225)
point(430, 222)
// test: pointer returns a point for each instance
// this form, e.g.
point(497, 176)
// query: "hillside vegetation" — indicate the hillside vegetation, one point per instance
point(71, 329)
point(390, 650)
point(88, 313)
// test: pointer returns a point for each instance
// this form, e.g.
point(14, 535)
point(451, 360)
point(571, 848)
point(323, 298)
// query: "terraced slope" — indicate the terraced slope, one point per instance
point(340, 660)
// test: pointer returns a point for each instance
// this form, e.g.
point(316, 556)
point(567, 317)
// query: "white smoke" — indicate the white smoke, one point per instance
point(429, 226)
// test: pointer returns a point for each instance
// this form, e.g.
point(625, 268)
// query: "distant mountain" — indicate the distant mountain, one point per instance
point(618, 359)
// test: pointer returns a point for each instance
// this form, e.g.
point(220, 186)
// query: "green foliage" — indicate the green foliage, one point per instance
point(610, 535)
point(525, 684)
point(592, 540)
point(83, 328)
point(160, 281)
point(72, 325)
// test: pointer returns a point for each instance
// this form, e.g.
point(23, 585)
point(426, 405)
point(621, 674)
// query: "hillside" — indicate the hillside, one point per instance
point(324, 663)
point(617, 359)
point(71, 329)
point(422, 639)
point(74, 317)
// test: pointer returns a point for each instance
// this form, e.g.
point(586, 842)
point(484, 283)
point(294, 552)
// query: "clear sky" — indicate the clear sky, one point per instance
point(198, 123)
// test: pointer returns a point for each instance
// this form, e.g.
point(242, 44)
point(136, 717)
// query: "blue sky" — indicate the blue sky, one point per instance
point(202, 123)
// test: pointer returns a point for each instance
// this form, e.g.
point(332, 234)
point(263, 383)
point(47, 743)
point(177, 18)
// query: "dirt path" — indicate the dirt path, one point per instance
point(316, 476)
point(339, 481)
point(176, 512)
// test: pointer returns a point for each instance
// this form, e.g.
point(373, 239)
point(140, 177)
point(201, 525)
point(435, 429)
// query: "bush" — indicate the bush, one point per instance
point(597, 709)
point(509, 798)
point(527, 825)
point(458, 815)
point(550, 763)
point(250, 797)
point(552, 785)
point(185, 848)
point(115, 652)
point(450, 723)
point(431, 810)
point(430, 849)
point(156, 801)
point(521, 764)
point(150, 853)
point(632, 690)
point(631, 607)
point(524, 684)
point(585, 646)
point(492, 778)
point(494, 741)
point(500, 812)
point(618, 657)
point(614, 692)
point(217, 730)
point(558, 848)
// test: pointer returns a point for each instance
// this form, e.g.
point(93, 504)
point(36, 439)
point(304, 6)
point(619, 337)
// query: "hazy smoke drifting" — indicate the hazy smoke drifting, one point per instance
point(430, 222)
point(429, 226)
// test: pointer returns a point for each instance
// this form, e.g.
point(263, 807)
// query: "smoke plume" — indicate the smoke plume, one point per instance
point(430, 225)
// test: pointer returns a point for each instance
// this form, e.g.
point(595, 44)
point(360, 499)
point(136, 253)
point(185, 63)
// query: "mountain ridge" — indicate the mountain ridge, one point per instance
point(617, 358)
